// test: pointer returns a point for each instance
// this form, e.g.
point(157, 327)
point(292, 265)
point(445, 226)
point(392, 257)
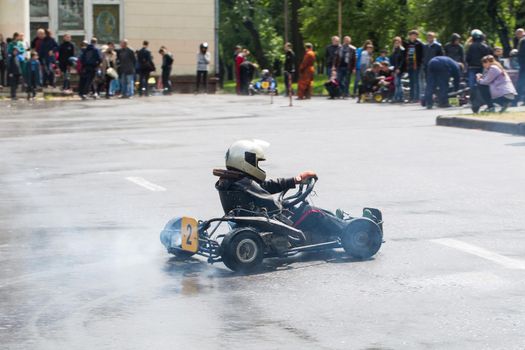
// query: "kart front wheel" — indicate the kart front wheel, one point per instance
point(242, 250)
point(362, 238)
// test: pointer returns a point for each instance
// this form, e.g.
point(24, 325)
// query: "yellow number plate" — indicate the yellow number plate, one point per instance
point(265, 84)
point(190, 234)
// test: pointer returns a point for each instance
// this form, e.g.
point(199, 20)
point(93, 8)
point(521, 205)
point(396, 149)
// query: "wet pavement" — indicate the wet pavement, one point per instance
point(81, 265)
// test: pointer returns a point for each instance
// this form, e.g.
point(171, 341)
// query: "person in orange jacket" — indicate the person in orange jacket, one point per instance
point(306, 73)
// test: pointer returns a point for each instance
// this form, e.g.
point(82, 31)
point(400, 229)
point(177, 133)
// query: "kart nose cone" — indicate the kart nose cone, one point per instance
point(171, 236)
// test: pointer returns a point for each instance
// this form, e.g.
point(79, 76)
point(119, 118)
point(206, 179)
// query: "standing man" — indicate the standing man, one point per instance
point(90, 60)
point(203, 61)
point(345, 61)
point(398, 62)
point(246, 72)
point(306, 73)
point(48, 48)
point(439, 71)
point(414, 59)
point(476, 51)
point(330, 55)
point(289, 68)
point(239, 59)
point(430, 50)
point(66, 50)
point(126, 61)
point(520, 33)
point(146, 66)
point(521, 76)
point(454, 49)
point(167, 64)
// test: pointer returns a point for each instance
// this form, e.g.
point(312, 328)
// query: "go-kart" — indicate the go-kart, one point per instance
point(267, 87)
point(254, 235)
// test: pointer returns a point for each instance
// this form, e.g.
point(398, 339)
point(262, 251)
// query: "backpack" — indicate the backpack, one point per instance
point(91, 58)
point(145, 62)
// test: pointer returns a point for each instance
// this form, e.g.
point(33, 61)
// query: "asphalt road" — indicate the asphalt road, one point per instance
point(81, 265)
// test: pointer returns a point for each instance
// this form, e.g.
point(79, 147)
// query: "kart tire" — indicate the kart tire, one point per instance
point(181, 254)
point(362, 238)
point(242, 250)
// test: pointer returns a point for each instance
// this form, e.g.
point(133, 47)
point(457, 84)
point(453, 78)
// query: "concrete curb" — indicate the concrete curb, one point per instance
point(481, 124)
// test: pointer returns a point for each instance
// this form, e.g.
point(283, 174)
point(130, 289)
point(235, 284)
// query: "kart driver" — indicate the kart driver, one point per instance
point(244, 175)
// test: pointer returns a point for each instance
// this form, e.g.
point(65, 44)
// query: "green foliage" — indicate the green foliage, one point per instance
point(267, 21)
point(378, 20)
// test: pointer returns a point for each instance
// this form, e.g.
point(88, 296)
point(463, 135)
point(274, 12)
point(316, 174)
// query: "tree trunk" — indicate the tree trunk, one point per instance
point(296, 37)
point(248, 23)
point(520, 15)
point(501, 26)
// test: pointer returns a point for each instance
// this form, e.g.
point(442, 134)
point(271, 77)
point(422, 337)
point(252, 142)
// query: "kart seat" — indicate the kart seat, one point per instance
point(231, 200)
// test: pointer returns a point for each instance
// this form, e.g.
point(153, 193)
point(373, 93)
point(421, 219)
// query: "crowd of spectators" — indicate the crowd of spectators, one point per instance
point(403, 70)
point(106, 70)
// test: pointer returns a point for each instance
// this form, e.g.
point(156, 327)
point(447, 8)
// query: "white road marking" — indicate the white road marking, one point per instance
point(146, 184)
point(502, 260)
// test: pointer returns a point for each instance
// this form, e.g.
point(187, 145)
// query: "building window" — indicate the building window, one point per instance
point(39, 8)
point(70, 15)
point(106, 23)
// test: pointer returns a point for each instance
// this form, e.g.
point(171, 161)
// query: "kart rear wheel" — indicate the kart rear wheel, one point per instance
point(242, 250)
point(362, 238)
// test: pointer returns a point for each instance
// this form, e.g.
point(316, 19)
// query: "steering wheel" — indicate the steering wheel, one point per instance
point(301, 194)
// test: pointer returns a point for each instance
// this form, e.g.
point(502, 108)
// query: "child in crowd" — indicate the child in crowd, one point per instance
point(388, 81)
point(332, 86)
point(14, 70)
point(382, 57)
point(498, 54)
point(33, 75)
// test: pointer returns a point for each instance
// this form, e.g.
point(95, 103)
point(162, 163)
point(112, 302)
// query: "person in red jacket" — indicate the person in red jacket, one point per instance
point(239, 59)
point(306, 73)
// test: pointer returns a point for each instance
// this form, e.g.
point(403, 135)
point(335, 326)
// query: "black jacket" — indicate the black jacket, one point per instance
point(414, 54)
point(289, 62)
point(126, 61)
point(259, 193)
point(13, 66)
point(330, 54)
point(521, 53)
point(430, 51)
point(345, 56)
point(145, 60)
point(397, 60)
point(167, 61)
point(476, 51)
point(66, 50)
point(48, 44)
point(456, 52)
point(3, 52)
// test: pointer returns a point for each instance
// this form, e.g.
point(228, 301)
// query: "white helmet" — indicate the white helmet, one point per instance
point(245, 155)
point(476, 33)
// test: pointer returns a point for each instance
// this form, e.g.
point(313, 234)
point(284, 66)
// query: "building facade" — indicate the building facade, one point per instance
point(181, 25)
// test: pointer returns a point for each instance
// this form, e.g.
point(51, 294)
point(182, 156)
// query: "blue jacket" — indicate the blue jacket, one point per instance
point(445, 65)
point(358, 58)
point(33, 67)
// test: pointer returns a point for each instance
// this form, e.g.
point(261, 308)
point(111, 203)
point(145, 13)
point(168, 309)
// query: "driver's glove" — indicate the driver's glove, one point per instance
point(305, 176)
